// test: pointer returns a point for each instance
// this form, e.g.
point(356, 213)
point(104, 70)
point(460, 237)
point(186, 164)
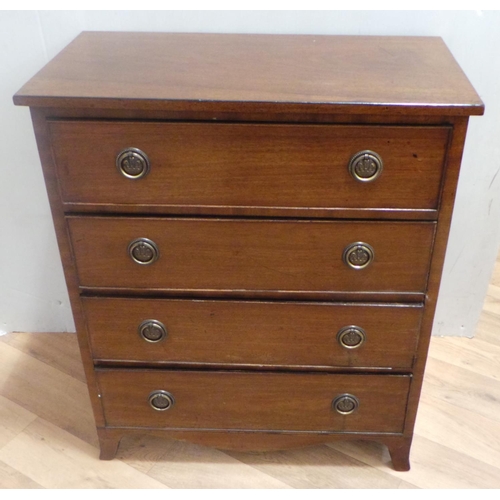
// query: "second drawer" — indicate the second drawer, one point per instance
point(251, 255)
point(253, 333)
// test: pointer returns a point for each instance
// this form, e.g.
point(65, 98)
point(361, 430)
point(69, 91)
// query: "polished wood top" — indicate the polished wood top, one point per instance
point(261, 73)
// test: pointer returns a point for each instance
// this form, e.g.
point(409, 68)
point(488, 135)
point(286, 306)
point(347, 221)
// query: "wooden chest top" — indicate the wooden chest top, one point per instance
point(267, 73)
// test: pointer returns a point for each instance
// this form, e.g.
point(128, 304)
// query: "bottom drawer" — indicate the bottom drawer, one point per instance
point(254, 401)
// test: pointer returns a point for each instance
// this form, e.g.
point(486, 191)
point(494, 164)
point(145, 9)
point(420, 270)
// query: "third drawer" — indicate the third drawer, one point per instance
point(220, 332)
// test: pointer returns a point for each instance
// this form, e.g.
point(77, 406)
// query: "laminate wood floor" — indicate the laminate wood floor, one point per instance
point(48, 439)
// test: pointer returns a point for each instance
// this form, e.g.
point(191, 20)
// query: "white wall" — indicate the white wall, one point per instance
point(33, 295)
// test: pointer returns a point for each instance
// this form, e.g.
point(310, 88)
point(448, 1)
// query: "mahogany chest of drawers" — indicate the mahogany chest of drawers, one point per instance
point(252, 228)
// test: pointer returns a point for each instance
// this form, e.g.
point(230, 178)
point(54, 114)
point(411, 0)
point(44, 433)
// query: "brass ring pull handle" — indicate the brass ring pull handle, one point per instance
point(161, 400)
point(345, 404)
point(133, 163)
point(143, 251)
point(351, 337)
point(366, 166)
point(358, 255)
point(152, 331)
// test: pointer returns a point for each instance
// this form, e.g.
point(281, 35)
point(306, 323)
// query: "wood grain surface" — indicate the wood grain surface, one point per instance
point(249, 165)
point(256, 401)
point(233, 254)
point(298, 100)
point(267, 334)
point(265, 73)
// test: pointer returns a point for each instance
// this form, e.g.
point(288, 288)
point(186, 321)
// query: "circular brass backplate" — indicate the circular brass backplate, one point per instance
point(143, 251)
point(345, 404)
point(152, 330)
point(161, 400)
point(358, 255)
point(366, 166)
point(351, 337)
point(133, 163)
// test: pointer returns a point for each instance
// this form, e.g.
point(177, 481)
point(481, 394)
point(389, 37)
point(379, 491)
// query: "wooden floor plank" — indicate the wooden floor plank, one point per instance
point(488, 328)
point(472, 354)
point(463, 388)
point(142, 451)
point(184, 465)
point(492, 300)
point(12, 479)
point(462, 430)
point(320, 467)
point(432, 464)
point(59, 350)
point(13, 419)
point(495, 278)
point(46, 392)
point(54, 458)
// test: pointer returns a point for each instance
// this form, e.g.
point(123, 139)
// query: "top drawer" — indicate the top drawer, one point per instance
point(250, 165)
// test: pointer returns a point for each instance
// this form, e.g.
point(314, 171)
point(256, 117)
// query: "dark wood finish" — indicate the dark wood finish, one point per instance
point(437, 262)
point(300, 97)
point(264, 212)
point(108, 444)
point(247, 332)
point(249, 165)
point(257, 401)
point(265, 73)
point(246, 116)
point(67, 258)
point(297, 295)
point(233, 254)
point(399, 450)
point(257, 441)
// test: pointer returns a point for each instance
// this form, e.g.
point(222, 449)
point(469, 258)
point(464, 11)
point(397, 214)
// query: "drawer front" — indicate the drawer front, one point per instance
point(252, 333)
point(249, 165)
point(254, 401)
point(208, 254)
